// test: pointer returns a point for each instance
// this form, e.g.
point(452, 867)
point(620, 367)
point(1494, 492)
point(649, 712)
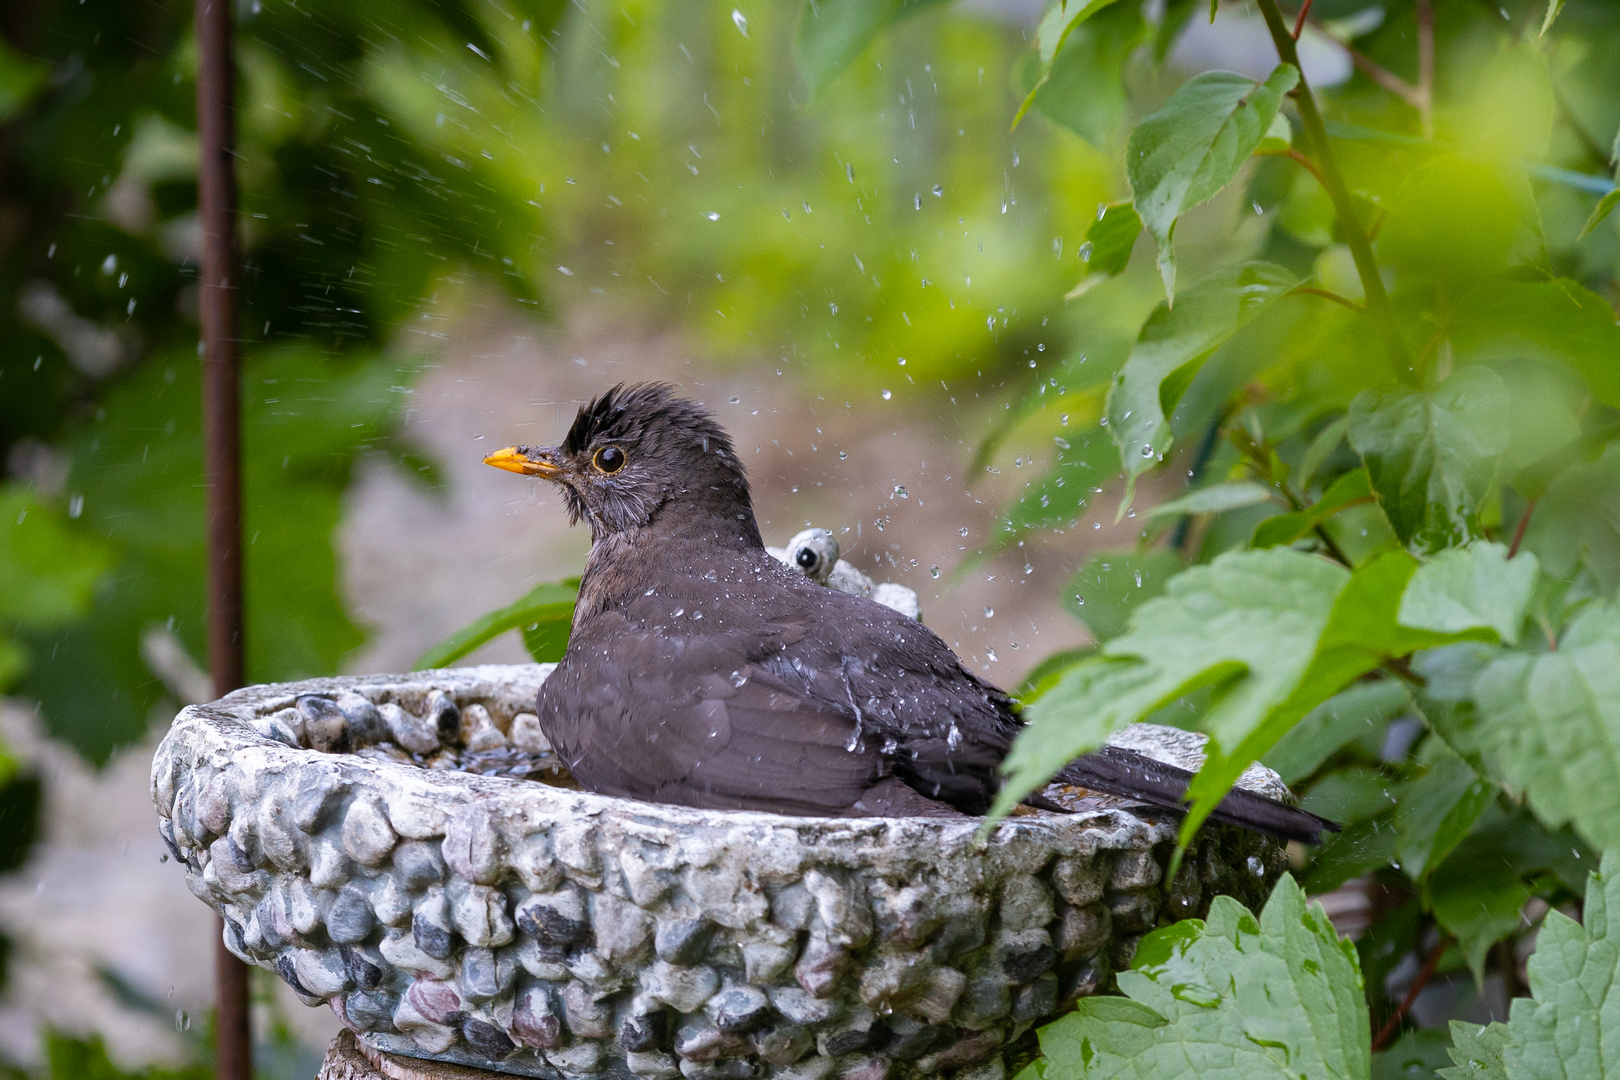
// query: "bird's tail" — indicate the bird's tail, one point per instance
point(1130, 775)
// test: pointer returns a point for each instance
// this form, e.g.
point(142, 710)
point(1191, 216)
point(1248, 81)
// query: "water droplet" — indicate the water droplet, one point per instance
point(916, 201)
point(182, 1020)
point(887, 395)
point(1059, 441)
point(736, 400)
point(1064, 419)
point(1138, 579)
point(1003, 206)
point(1032, 362)
point(109, 265)
point(990, 655)
point(939, 189)
point(842, 455)
point(962, 531)
point(1096, 525)
point(902, 361)
point(712, 215)
point(902, 492)
point(741, 21)
point(1079, 600)
point(849, 171)
point(807, 207)
point(933, 571)
point(677, 613)
point(989, 612)
point(1147, 451)
point(75, 506)
point(1085, 251)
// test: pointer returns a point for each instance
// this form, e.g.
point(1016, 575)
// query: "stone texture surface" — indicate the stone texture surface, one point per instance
point(534, 929)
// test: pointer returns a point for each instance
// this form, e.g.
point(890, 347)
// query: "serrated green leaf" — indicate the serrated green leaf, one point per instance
point(1194, 145)
point(543, 615)
point(1360, 849)
point(1276, 998)
point(1060, 495)
point(1279, 137)
point(1576, 523)
point(1414, 1056)
point(1477, 1052)
point(1553, 8)
point(1470, 588)
point(1173, 345)
point(1548, 726)
point(1341, 719)
point(1351, 489)
point(1570, 1026)
point(1601, 211)
point(1111, 238)
point(1437, 809)
point(1432, 455)
point(832, 33)
point(1215, 499)
point(1353, 794)
point(1110, 585)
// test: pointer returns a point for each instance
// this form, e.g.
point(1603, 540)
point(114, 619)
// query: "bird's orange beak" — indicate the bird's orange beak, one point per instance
point(541, 462)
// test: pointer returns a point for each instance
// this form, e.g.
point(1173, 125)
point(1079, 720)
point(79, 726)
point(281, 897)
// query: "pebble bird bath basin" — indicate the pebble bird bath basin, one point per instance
point(539, 930)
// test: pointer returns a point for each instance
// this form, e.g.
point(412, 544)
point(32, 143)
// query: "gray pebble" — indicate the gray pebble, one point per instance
point(526, 734)
point(556, 919)
point(418, 864)
point(588, 1018)
point(799, 1006)
point(910, 1039)
point(1026, 904)
point(1135, 870)
point(1082, 931)
point(415, 733)
point(622, 929)
point(682, 941)
point(1037, 1000)
point(444, 717)
point(859, 1029)
point(683, 989)
point(1134, 912)
point(365, 721)
point(738, 1008)
point(534, 1021)
point(350, 918)
point(430, 925)
point(487, 1039)
point(649, 1064)
point(644, 1027)
point(326, 729)
point(1025, 955)
point(819, 967)
point(480, 915)
point(367, 836)
point(783, 1044)
point(698, 1039)
point(985, 999)
point(727, 1069)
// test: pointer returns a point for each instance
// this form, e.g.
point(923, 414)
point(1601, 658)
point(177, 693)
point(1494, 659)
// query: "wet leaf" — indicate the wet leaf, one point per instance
point(1560, 320)
point(1215, 499)
point(1173, 345)
point(1273, 998)
point(1432, 455)
point(1600, 213)
point(1569, 1027)
point(1351, 714)
point(1472, 587)
point(1437, 809)
point(1194, 145)
point(1111, 236)
point(1060, 21)
point(1110, 584)
point(1477, 1052)
point(1548, 725)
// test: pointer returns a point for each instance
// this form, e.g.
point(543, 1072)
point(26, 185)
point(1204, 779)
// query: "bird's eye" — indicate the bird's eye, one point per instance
point(609, 459)
point(807, 558)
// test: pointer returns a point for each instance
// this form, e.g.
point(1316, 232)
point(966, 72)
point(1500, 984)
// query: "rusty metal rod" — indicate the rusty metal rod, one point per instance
point(222, 446)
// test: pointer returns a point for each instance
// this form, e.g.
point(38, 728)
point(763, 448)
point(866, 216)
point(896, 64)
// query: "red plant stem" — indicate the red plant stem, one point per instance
point(222, 438)
point(1392, 1026)
point(1524, 522)
point(1299, 20)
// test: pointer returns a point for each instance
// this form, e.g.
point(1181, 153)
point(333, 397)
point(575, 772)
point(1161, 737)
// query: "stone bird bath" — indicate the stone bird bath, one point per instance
point(535, 929)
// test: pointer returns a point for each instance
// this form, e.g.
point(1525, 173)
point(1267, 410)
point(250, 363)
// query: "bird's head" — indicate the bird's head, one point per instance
point(639, 453)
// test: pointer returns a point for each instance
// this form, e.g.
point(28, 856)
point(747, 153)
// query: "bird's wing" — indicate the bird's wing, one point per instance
point(686, 720)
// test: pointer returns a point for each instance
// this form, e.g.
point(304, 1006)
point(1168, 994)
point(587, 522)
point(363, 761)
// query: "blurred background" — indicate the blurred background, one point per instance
point(461, 218)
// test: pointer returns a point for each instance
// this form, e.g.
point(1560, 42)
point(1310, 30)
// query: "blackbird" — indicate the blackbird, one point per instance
point(702, 671)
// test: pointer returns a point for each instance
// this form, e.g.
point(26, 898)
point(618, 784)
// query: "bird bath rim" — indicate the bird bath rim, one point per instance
point(848, 945)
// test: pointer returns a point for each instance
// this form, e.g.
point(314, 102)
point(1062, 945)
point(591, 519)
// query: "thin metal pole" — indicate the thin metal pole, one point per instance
point(222, 438)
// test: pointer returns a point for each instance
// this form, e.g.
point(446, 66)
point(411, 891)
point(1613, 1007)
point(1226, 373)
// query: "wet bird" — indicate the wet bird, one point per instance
point(702, 671)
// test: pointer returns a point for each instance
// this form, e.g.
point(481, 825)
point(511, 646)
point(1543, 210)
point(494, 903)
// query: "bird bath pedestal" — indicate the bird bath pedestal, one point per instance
point(533, 929)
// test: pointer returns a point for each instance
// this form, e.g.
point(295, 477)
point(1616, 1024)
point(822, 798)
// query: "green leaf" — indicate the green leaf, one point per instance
point(1477, 1051)
point(1351, 489)
point(1322, 446)
point(1601, 211)
point(1569, 1027)
point(1177, 14)
point(832, 33)
point(48, 569)
point(1045, 675)
point(1351, 714)
point(1548, 726)
point(1477, 894)
point(1194, 145)
point(1215, 499)
point(1437, 809)
point(543, 615)
point(1061, 20)
point(1360, 849)
point(1276, 998)
point(1577, 522)
point(1108, 245)
point(1559, 320)
point(1173, 345)
point(1414, 1056)
point(1350, 795)
point(1432, 455)
point(1110, 584)
point(1061, 495)
point(21, 77)
point(1279, 137)
point(1470, 588)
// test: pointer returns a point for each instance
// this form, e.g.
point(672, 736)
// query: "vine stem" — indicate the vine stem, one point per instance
point(1524, 523)
point(1392, 1026)
point(1343, 204)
